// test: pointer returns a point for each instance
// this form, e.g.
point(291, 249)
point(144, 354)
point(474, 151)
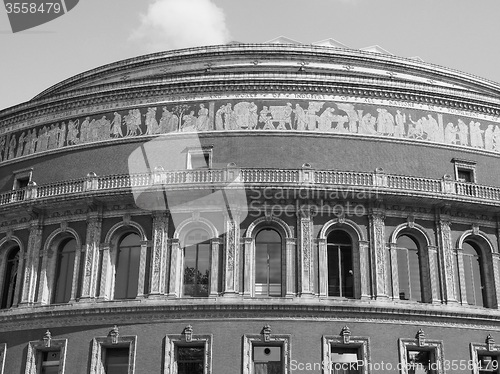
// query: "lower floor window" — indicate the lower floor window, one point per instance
point(117, 360)
point(345, 361)
point(421, 355)
point(267, 360)
point(487, 364)
point(50, 362)
point(190, 360)
point(419, 362)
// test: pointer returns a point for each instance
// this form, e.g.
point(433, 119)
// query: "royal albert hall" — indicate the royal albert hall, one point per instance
point(253, 209)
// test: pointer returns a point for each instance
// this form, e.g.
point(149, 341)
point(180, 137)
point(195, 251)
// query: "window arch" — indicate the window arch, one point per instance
point(409, 265)
point(340, 264)
point(11, 277)
point(473, 273)
point(268, 263)
point(64, 271)
point(196, 269)
point(128, 256)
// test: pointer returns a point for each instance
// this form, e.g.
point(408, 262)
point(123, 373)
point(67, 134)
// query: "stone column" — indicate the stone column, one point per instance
point(305, 255)
point(175, 269)
point(31, 267)
point(379, 251)
point(364, 269)
point(232, 257)
point(446, 259)
point(249, 266)
point(323, 267)
point(158, 271)
point(91, 269)
point(214, 268)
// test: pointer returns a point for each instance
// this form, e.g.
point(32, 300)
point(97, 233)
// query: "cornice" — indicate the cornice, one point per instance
point(154, 90)
point(157, 311)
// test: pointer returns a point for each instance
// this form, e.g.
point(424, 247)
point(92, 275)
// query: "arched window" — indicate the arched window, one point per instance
point(64, 272)
point(408, 259)
point(268, 263)
point(473, 274)
point(127, 267)
point(340, 264)
point(11, 278)
point(196, 264)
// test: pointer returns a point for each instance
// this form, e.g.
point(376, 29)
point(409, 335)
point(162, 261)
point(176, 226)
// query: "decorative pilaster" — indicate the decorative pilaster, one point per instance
point(106, 272)
point(434, 274)
point(306, 258)
point(290, 244)
point(232, 256)
point(31, 268)
point(142, 268)
point(93, 240)
point(174, 289)
point(446, 258)
point(495, 256)
point(364, 269)
point(159, 252)
point(323, 267)
point(43, 286)
point(377, 235)
point(393, 254)
point(249, 266)
point(76, 274)
point(214, 268)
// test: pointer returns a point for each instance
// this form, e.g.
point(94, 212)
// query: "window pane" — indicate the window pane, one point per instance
point(268, 273)
point(419, 362)
point(199, 161)
point(340, 264)
point(408, 269)
point(190, 360)
point(116, 361)
point(197, 265)
point(488, 364)
point(10, 279)
point(127, 267)
point(343, 360)
point(65, 268)
point(473, 274)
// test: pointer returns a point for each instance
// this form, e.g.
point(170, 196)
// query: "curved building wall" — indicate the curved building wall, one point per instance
point(230, 199)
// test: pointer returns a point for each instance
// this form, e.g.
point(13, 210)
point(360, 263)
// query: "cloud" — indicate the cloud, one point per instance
point(173, 24)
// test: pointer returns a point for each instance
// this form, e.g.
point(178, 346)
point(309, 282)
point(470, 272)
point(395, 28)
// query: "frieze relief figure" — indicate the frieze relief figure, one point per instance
point(317, 116)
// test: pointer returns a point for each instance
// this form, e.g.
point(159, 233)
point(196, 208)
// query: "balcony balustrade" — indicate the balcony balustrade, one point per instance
point(257, 177)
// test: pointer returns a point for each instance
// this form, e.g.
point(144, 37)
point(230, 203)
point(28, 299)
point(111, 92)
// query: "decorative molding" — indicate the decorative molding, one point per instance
point(46, 344)
point(420, 343)
point(187, 338)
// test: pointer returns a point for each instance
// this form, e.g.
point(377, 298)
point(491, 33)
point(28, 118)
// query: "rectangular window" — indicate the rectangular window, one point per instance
point(267, 360)
point(114, 354)
point(488, 363)
point(465, 170)
point(190, 359)
point(421, 355)
point(188, 353)
point(199, 158)
point(22, 178)
point(46, 356)
point(345, 360)
point(116, 361)
point(266, 353)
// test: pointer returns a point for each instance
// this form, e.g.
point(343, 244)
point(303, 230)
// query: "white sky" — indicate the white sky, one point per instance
point(460, 34)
